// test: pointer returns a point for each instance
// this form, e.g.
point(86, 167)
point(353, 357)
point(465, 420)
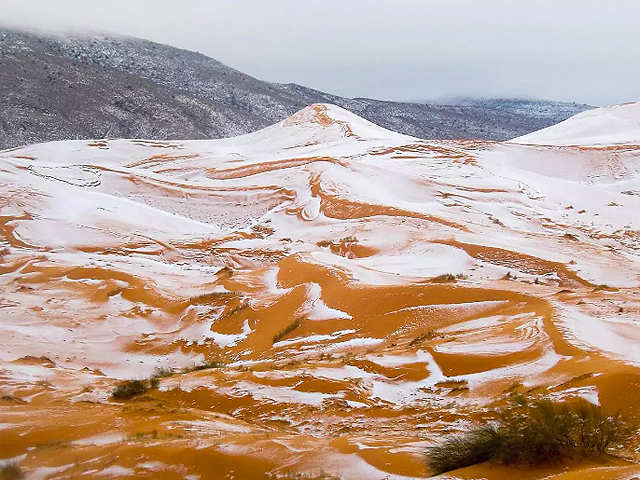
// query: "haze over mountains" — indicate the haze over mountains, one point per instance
point(54, 88)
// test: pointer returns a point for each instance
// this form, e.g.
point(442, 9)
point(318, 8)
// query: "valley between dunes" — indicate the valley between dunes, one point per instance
point(358, 294)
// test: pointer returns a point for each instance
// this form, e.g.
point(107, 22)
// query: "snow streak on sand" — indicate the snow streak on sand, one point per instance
point(323, 297)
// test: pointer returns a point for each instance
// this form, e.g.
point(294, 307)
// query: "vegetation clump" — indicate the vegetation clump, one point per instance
point(153, 434)
point(162, 372)
point(448, 277)
point(11, 471)
point(132, 388)
point(129, 389)
point(286, 330)
point(349, 239)
point(423, 337)
point(205, 366)
point(534, 431)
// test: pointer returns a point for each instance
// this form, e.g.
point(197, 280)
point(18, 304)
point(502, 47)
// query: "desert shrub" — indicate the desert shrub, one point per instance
point(423, 337)
point(129, 389)
point(540, 430)
point(534, 431)
point(349, 239)
point(454, 385)
point(138, 436)
point(447, 277)
point(162, 372)
point(286, 330)
point(205, 366)
point(11, 471)
point(206, 298)
point(457, 451)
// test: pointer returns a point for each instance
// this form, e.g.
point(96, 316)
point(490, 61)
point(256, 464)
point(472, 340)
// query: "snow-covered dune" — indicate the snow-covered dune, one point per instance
point(614, 125)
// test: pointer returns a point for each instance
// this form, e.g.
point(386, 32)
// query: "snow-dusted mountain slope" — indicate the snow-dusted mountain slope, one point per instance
point(325, 298)
point(615, 125)
point(55, 88)
point(554, 112)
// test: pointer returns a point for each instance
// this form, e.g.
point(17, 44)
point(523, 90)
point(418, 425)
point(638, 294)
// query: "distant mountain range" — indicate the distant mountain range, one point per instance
point(542, 109)
point(54, 87)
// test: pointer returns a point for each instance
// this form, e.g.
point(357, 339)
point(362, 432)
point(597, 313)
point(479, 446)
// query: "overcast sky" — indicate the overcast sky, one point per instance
point(575, 50)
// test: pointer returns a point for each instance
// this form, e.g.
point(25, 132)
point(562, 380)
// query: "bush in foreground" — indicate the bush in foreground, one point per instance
point(457, 451)
point(534, 431)
point(11, 471)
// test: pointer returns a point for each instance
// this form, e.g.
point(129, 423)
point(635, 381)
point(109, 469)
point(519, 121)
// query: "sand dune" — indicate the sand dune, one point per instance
point(361, 293)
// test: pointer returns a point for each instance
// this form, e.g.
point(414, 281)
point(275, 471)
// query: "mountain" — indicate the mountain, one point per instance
point(617, 124)
point(321, 299)
point(543, 110)
point(54, 88)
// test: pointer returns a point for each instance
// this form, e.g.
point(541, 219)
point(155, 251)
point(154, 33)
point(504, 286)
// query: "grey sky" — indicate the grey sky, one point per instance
point(577, 50)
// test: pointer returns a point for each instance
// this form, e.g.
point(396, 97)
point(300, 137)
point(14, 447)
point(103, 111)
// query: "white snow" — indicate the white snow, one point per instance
point(614, 336)
point(315, 309)
point(230, 339)
point(617, 124)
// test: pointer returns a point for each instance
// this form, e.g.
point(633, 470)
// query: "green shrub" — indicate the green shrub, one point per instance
point(534, 431)
point(540, 430)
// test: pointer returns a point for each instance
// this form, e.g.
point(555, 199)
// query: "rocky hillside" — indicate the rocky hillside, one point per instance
point(552, 111)
point(103, 86)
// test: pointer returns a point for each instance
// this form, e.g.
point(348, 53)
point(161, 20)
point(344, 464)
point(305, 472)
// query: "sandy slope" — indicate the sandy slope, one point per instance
point(367, 292)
